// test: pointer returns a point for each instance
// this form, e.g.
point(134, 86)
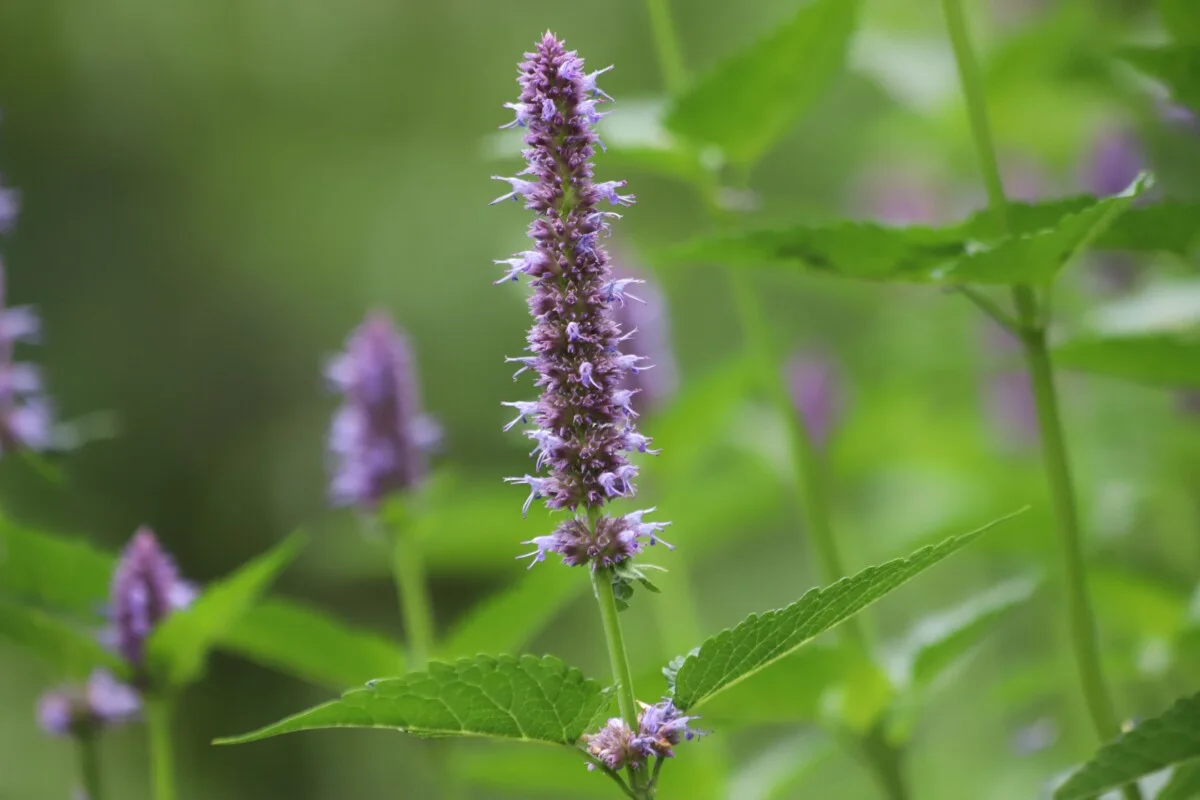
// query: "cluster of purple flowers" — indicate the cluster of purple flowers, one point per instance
point(26, 420)
point(660, 727)
point(146, 588)
point(584, 418)
point(379, 440)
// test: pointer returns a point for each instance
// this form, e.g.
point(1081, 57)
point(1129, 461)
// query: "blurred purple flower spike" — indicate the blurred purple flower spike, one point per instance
point(146, 588)
point(379, 440)
point(1114, 162)
point(103, 702)
point(26, 417)
point(584, 419)
point(1009, 393)
point(816, 393)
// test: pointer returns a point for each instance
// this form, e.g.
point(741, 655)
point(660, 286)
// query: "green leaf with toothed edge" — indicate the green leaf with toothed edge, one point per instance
point(1170, 739)
point(759, 641)
point(1047, 238)
point(526, 699)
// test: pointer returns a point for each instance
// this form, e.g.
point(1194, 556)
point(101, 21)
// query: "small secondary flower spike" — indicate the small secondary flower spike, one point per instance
point(816, 395)
point(660, 727)
point(26, 420)
point(103, 702)
point(146, 588)
point(584, 419)
point(647, 333)
point(379, 440)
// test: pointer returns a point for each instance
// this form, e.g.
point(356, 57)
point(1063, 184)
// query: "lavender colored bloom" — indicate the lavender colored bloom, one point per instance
point(646, 331)
point(613, 746)
point(660, 727)
point(146, 588)
point(26, 419)
point(816, 393)
point(1114, 162)
point(379, 439)
point(103, 702)
point(583, 418)
point(1009, 394)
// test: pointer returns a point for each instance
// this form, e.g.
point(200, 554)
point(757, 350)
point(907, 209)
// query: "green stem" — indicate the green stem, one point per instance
point(411, 591)
point(162, 756)
point(666, 44)
point(1054, 452)
point(886, 762)
point(627, 701)
point(89, 766)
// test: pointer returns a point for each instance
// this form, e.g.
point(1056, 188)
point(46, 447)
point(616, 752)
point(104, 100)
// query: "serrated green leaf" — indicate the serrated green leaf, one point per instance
point(757, 642)
point(525, 699)
point(1171, 360)
point(178, 648)
point(940, 641)
point(1166, 740)
point(56, 573)
point(310, 645)
point(70, 649)
point(964, 253)
point(1176, 65)
point(1184, 783)
point(746, 103)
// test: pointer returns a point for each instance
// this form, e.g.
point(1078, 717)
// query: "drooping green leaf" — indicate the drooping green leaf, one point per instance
point(1184, 783)
point(509, 619)
point(525, 699)
point(1169, 739)
point(746, 103)
point(757, 642)
point(940, 641)
point(1171, 360)
point(782, 765)
point(71, 650)
point(311, 645)
point(178, 649)
point(1176, 65)
point(62, 574)
point(951, 255)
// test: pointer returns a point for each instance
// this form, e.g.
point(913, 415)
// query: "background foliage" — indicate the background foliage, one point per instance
point(214, 192)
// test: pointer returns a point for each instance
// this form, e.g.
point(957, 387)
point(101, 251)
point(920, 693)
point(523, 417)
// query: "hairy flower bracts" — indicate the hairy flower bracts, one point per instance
point(379, 439)
point(584, 419)
point(26, 421)
point(660, 727)
point(146, 588)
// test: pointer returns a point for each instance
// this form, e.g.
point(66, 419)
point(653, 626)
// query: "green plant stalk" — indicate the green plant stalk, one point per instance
point(89, 766)
point(409, 573)
point(159, 713)
point(1054, 452)
point(666, 44)
point(886, 762)
point(602, 587)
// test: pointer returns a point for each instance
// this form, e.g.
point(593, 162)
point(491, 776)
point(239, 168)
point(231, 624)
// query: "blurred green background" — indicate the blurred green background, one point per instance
point(215, 191)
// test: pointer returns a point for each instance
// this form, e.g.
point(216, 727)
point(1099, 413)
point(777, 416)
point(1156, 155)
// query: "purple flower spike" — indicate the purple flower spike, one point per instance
point(26, 417)
point(1114, 163)
point(645, 325)
point(816, 393)
point(103, 702)
point(613, 746)
point(584, 418)
point(146, 588)
point(379, 441)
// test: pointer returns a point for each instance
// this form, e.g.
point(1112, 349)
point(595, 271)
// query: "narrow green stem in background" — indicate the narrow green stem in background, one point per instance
point(162, 757)
point(602, 587)
point(666, 44)
point(1054, 452)
point(886, 762)
point(89, 766)
point(409, 574)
